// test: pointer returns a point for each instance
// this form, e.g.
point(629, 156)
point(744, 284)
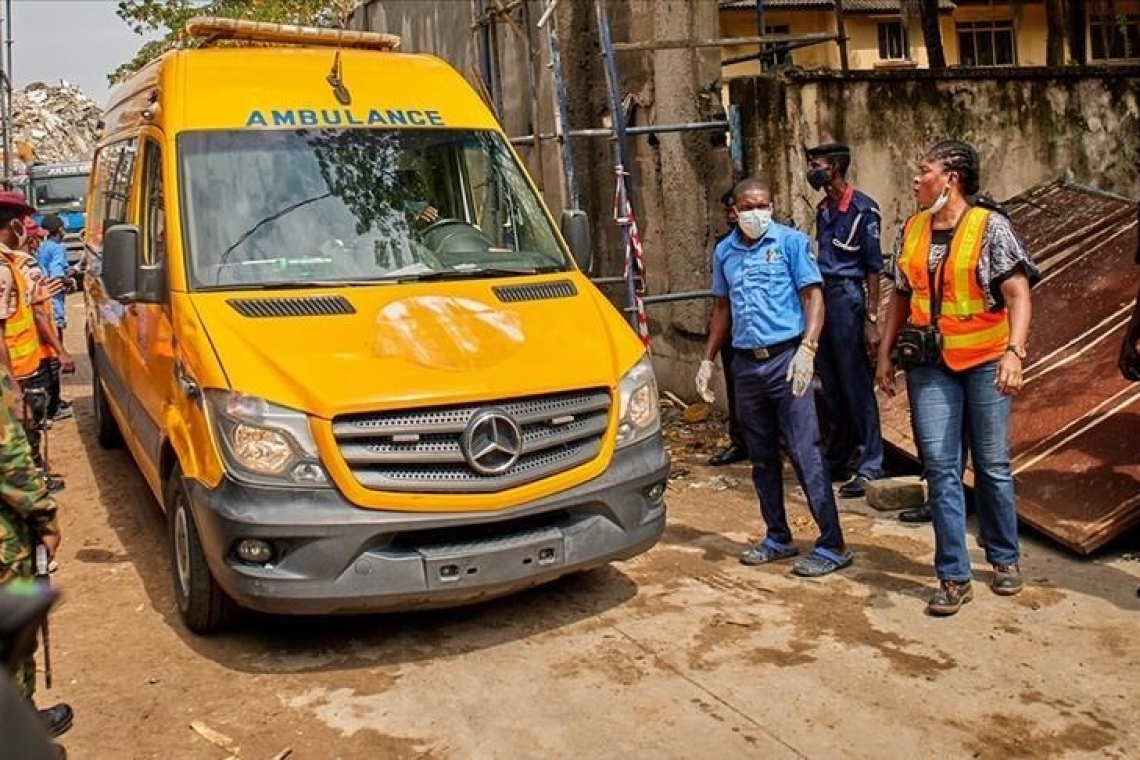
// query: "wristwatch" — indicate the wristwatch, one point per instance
point(872, 317)
point(1016, 350)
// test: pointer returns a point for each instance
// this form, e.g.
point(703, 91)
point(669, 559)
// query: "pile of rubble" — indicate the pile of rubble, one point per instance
point(52, 124)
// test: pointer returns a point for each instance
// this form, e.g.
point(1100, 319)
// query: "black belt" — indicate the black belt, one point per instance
point(833, 279)
point(772, 351)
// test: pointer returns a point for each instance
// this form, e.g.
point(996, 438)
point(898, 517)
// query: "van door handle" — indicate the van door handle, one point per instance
point(185, 382)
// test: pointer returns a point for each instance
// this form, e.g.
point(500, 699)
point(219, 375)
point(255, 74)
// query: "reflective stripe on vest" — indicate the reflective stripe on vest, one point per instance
point(971, 334)
point(20, 329)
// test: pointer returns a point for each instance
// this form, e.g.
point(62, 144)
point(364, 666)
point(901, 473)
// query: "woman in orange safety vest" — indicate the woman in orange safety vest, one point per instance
point(957, 322)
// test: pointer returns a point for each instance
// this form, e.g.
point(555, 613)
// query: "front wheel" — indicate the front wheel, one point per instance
point(203, 605)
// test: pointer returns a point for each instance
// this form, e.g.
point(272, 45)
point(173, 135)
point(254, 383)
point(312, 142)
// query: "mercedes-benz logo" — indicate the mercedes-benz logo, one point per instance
point(492, 442)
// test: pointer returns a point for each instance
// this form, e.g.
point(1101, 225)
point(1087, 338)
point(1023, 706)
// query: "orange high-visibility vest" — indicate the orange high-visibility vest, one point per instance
point(971, 334)
point(20, 329)
point(23, 261)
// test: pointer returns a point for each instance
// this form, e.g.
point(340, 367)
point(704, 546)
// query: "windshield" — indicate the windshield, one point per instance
point(59, 191)
point(309, 206)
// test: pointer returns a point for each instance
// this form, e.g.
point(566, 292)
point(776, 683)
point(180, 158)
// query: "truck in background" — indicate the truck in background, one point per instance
point(62, 189)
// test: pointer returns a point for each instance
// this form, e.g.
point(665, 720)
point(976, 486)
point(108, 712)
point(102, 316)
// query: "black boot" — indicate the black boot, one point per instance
point(734, 452)
point(57, 719)
point(916, 515)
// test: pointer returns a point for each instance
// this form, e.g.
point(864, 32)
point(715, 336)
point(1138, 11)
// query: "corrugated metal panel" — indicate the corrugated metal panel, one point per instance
point(1075, 429)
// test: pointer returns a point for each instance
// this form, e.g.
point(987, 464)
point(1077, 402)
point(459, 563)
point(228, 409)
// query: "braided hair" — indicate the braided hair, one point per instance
point(960, 158)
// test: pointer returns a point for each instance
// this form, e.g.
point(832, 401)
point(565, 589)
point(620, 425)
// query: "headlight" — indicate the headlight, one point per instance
point(264, 443)
point(639, 415)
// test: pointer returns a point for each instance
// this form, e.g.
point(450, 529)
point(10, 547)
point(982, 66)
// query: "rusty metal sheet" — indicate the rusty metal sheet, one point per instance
point(1075, 427)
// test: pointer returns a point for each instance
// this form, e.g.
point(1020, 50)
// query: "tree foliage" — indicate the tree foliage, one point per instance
point(169, 17)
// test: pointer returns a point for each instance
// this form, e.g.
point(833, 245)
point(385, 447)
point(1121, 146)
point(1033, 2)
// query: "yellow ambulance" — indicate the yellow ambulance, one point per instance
point(344, 340)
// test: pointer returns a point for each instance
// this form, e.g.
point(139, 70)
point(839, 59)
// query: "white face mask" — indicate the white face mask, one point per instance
point(940, 201)
point(18, 230)
point(754, 222)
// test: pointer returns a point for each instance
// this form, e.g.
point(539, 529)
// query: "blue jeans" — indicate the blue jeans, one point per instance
point(940, 401)
point(853, 430)
point(767, 408)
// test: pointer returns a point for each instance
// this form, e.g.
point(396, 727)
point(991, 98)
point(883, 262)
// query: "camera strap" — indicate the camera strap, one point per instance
point(935, 280)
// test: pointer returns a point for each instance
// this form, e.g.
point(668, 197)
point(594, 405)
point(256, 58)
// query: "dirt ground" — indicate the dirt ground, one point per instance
point(682, 652)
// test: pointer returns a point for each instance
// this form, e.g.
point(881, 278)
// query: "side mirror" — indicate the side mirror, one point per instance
point(575, 226)
point(121, 262)
point(124, 278)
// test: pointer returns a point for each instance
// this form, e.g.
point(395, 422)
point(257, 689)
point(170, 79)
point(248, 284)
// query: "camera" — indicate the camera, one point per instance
point(917, 347)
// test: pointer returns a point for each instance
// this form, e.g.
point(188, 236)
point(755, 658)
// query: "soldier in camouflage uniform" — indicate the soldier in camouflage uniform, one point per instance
point(27, 512)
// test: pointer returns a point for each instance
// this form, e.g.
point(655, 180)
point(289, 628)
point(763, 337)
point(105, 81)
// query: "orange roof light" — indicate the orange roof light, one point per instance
point(213, 28)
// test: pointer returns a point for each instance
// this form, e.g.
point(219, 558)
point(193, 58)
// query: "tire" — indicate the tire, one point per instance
point(202, 604)
point(107, 431)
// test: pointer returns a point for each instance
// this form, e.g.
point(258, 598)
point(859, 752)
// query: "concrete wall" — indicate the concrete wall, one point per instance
point(1029, 125)
point(521, 94)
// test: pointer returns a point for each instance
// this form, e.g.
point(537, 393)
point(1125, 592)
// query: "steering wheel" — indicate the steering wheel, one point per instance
point(451, 238)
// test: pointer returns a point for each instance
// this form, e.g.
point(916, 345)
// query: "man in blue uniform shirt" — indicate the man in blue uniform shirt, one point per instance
point(850, 259)
point(736, 450)
point(768, 296)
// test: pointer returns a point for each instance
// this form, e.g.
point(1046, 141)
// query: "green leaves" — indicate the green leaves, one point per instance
point(169, 17)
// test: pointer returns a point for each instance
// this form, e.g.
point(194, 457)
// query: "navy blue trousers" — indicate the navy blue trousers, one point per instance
point(853, 433)
point(735, 435)
point(766, 407)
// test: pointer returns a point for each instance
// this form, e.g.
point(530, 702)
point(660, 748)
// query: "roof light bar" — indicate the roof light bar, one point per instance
point(213, 28)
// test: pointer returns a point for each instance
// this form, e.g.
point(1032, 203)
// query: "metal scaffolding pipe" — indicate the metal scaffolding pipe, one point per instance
point(692, 295)
point(623, 201)
point(649, 129)
point(6, 107)
point(562, 113)
point(532, 85)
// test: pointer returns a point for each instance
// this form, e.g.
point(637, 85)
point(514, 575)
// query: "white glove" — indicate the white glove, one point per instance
point(704, 374)
point(801, 370)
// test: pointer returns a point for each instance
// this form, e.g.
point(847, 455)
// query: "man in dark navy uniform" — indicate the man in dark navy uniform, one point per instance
point(850, 258)
point(736, 450)
point(769, 304)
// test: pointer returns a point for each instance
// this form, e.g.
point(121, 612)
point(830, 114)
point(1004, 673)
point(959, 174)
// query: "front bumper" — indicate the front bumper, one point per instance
point(333, 557)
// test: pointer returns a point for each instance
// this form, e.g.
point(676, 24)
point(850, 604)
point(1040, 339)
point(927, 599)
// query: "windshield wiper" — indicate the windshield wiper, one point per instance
point(299, 284)
point(272, 217)
point(455, 273)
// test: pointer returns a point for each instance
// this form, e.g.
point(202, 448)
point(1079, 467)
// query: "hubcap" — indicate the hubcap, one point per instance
point(182, 550)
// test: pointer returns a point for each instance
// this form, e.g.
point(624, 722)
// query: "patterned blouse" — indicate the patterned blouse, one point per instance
point(1002, 255)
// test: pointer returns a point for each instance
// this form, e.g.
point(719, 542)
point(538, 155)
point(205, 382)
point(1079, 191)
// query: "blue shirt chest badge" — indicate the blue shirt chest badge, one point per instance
point(772, 256)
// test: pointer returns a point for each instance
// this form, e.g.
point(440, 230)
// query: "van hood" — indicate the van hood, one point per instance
point(329, 352)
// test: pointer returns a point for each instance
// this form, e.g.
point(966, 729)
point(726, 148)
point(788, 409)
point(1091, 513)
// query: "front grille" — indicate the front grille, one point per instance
point(298, 306)
point(538, 292)
point(420, 450)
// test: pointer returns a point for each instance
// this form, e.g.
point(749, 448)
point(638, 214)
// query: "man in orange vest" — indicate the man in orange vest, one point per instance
point(27, 330)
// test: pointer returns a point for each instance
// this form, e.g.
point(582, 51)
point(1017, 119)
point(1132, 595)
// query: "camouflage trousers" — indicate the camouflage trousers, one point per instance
point(24, 502)
point(24, 675)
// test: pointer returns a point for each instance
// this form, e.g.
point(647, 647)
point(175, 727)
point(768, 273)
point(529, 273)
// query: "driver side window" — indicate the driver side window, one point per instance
point(154, 218)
